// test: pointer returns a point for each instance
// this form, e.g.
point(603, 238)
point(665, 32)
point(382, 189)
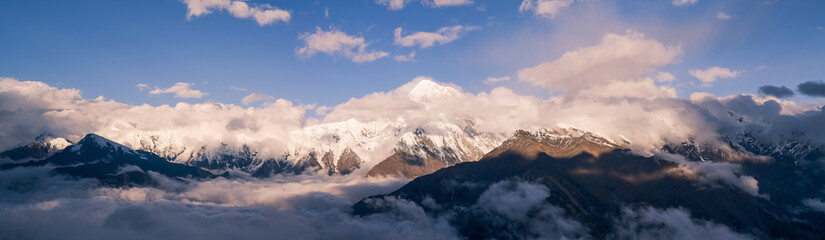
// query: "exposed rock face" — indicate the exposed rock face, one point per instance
point(406, 165)
point(593, 182)
point(307, 163)
point(560, 143)
point(420, 153)
point(348, 162)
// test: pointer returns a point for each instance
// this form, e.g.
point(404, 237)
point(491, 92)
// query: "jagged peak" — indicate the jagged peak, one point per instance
point(564, 133)
point(560, 143)
point(98, 141)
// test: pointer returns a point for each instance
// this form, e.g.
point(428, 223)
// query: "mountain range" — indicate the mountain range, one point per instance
point(752, 186)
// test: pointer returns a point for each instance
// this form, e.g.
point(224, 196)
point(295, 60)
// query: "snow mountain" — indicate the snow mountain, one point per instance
point(43, 146)
point(112, 163)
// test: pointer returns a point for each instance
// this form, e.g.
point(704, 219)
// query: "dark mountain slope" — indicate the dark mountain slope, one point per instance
point(591, 189)
point(112, 163)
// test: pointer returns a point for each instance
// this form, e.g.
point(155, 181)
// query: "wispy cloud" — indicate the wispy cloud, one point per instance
point(400, 4)
point(256, 97)
point(337, 43)
point(712, 74)
point(405, 58)
point(441, 36)
point(180, 90)
point(682, 3)
point(722, 15)
point(492, 80)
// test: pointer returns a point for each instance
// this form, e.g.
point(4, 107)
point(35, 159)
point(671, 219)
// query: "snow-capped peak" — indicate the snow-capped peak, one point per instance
point(94, 140)
point(58, 143)
point(427, 89)
point(52, 142)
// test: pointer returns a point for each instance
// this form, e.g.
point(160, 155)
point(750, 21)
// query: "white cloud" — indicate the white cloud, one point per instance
point(711, 74)
point(263, 14)
point(492, 80)
point(441, 36)
point(545, 8)
point(617, 60)
point(722, 15)
point(405, 58)
point(445, 3)
point(399, 4)
point(665, 77)
point(256, 97)
point(337, 43)
point(681, 3)
point(393, 4)
point(181, 90)
point(142, 86)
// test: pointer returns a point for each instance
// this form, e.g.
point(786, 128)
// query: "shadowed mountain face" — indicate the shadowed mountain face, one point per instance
point(112, 163)
point(594, 184)
point(43, 146)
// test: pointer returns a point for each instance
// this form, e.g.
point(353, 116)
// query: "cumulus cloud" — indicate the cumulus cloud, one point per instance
point(441, 36)
point(616, 63)
point(776, 91)
point(262, 14)
point(405, 58)
point(812, 88)
point(492, 80)
point(181, 90)
point(544, 8)
point(683, 3)
point(142, 86)
point(712, 74)
point(256, 97)
point(337, 43)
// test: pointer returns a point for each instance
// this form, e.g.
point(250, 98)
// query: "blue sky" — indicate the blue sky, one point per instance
point(108, 47)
